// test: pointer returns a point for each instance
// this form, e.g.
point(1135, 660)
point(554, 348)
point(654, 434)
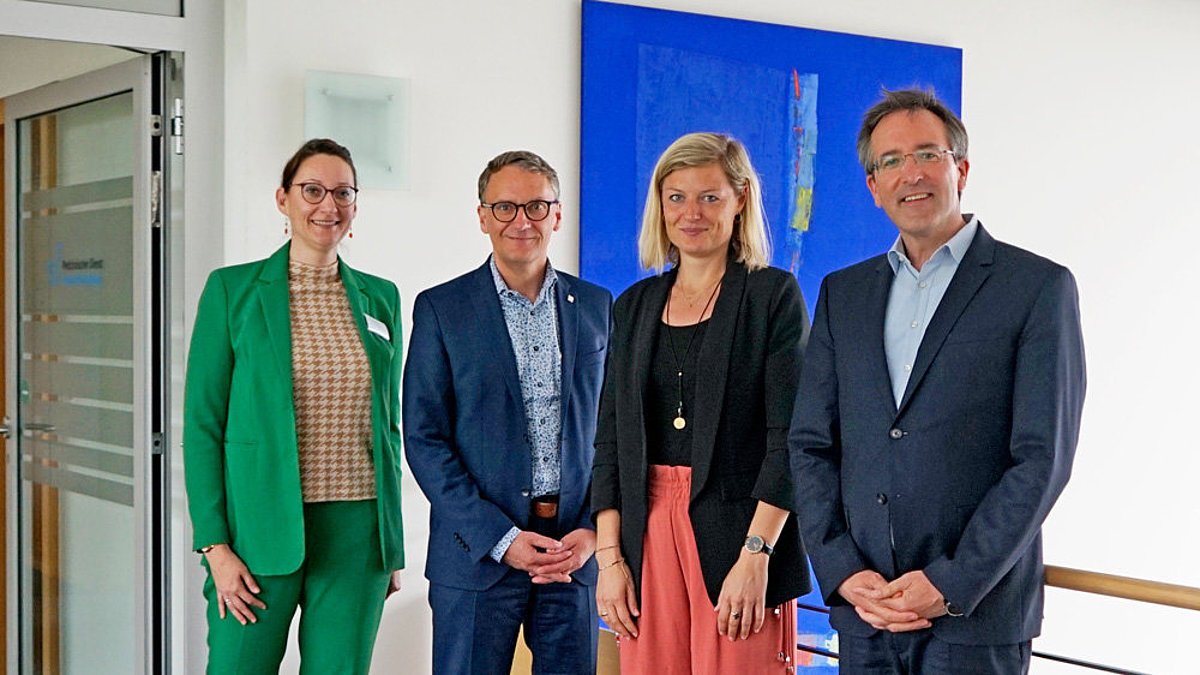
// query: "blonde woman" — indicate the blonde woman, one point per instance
point(699, 554)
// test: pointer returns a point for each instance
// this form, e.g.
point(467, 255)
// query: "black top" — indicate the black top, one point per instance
point(664, 443)
point(748, 366)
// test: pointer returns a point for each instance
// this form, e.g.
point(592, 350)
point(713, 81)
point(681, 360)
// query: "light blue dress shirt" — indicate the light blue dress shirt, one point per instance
point(533, 331)
point(914, 298)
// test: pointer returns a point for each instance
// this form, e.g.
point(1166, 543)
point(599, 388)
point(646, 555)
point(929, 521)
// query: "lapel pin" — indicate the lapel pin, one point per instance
point(570, 298)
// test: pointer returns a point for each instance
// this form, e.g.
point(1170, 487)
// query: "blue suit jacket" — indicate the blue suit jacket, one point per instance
point(958, 479)
point(464, 421)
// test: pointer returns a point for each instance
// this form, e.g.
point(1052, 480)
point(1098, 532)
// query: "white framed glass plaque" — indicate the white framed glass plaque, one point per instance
point(367, 114)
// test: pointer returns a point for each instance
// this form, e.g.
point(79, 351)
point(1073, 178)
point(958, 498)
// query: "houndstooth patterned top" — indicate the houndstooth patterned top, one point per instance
point(331, 388)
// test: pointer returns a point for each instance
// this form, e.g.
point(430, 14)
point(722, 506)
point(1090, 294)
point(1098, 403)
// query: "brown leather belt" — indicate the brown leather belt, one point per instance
point(545, 506)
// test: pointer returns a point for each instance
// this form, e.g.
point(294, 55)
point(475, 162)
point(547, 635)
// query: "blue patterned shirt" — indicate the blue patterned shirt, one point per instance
point(533, 331)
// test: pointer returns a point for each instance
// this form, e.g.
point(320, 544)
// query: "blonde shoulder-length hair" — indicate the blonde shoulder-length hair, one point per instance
point(750, 244)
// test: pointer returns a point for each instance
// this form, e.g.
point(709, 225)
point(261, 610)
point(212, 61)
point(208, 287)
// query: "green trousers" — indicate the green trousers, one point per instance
point(339, 590)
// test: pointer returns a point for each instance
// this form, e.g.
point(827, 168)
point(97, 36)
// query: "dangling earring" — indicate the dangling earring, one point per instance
point(350, 233)
point(287, 227)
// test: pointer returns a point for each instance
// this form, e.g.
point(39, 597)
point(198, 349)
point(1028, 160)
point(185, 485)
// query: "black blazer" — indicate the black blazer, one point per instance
point(749, 369)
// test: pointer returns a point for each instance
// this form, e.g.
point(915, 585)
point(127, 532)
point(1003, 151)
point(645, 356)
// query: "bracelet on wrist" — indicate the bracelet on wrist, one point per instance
point(614, 563)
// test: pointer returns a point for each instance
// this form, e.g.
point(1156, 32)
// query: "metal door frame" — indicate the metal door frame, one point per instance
point(144, 77)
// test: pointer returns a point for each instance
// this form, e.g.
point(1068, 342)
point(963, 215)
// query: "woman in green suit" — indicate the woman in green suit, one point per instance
point(292, 438)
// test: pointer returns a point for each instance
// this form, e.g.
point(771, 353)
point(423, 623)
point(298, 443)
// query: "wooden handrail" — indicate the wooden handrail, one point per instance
point(1128, 588)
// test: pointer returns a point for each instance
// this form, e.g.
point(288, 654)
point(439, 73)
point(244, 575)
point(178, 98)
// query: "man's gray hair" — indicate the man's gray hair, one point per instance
point(521, 158)
point(911, 100)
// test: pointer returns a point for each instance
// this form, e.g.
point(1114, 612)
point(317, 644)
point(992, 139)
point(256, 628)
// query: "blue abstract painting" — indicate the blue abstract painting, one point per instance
point(650, 76)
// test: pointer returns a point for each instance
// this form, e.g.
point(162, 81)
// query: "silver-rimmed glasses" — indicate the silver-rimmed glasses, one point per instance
point(894, 161)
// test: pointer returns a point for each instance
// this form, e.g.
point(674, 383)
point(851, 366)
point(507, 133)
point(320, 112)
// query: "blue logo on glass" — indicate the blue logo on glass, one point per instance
point(83, 272)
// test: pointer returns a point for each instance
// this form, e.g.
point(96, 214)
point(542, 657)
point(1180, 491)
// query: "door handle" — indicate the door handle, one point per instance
point(39, 426)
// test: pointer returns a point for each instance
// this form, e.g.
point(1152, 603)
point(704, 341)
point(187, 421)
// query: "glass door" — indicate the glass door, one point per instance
point(83, 409)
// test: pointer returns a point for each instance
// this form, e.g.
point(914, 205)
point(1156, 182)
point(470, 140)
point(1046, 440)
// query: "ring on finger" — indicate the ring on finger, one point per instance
point(229, 601)
point(735, 614)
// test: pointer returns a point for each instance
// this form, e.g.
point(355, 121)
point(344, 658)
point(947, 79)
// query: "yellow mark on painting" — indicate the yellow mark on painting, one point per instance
point(803, 213)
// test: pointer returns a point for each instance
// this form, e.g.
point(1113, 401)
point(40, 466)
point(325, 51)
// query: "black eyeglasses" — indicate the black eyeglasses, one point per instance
point(535, 209)
point(314, 193)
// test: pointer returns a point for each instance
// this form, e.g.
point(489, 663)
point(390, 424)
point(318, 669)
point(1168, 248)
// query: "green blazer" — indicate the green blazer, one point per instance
point(240, 456)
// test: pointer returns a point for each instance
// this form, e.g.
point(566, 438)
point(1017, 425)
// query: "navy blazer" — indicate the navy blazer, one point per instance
point(464, 420)
point(957, 479)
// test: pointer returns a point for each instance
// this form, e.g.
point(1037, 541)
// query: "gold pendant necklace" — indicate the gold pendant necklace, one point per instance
point(680, 422)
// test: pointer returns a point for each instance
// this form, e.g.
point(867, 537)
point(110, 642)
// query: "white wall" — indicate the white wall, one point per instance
point(1076, 109)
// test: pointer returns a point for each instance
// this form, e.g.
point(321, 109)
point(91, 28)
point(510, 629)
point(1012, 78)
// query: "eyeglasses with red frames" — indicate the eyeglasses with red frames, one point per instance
point(314, 193)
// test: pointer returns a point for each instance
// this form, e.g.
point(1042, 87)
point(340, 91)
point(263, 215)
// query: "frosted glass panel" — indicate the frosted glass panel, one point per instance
point(368, 115)
point(75, 374)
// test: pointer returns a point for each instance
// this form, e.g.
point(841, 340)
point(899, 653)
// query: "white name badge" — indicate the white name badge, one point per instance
point(377, 327)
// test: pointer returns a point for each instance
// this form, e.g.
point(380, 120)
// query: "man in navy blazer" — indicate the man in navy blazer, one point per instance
point(936, 418)
point(501, 389)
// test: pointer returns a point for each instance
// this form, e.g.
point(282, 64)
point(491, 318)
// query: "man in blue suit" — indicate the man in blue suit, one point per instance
point(936, 419)
point(501, 389)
